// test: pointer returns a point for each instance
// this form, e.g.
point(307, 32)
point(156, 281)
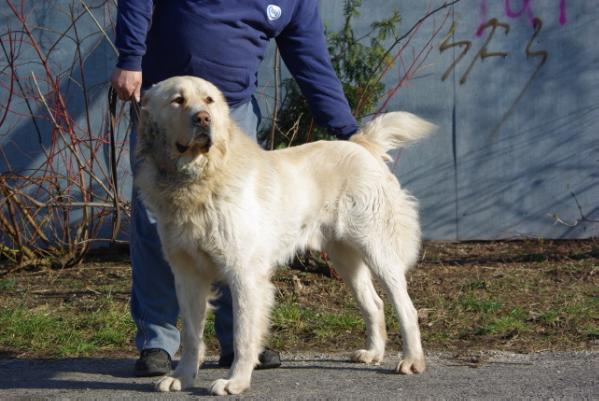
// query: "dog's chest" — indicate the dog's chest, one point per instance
point(206, 230)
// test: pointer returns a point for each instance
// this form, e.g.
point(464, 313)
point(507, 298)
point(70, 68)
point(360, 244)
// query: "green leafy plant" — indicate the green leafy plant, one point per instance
point(360, 63)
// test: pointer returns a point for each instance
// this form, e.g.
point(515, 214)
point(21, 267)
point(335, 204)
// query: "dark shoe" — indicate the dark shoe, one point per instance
point(268, 359)
point(153, 362)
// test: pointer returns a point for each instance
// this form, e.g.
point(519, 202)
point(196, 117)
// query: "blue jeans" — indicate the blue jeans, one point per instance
point(154, 304)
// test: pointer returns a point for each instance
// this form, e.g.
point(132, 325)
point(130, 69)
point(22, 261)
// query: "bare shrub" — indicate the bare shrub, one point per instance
point(63, 200)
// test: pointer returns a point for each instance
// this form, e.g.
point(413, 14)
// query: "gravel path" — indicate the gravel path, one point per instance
point(571, 375)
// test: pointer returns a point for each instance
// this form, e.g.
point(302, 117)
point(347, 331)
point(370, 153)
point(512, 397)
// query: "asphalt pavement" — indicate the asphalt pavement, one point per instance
point(569, 375)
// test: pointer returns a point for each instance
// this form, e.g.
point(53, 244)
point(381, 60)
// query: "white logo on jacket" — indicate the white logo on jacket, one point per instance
point(273, 12)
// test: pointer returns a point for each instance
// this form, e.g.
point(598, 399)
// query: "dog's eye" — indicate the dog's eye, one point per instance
point(181, 148)
point(209, 100)
point(178, 100)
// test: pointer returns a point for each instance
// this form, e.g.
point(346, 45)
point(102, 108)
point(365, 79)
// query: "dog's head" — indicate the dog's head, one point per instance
point(183, 121)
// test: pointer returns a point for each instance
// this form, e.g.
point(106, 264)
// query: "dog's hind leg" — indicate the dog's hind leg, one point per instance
point(389, 245)
point(390, 270)
point(413, 356)
point(253, 297)
point(350, 266)
point(192, 294)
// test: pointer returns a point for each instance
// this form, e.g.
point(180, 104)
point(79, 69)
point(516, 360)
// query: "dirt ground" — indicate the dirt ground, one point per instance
point(518, 296)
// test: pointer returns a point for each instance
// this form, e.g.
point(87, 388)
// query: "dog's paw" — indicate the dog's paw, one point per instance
point(168, 383)
point(407, 366)
point(230, 386)
point(367, 356)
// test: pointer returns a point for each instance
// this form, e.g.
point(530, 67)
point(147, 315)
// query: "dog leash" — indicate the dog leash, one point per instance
point(116, 212)
point(136, 108)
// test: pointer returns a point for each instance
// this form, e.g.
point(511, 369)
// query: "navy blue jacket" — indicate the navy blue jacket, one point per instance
point(224, 41)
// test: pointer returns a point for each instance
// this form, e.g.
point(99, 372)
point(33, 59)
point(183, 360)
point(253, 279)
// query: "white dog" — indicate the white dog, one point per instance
point(228, 210)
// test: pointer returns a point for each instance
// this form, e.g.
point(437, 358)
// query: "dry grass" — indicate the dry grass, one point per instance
point(519, 296)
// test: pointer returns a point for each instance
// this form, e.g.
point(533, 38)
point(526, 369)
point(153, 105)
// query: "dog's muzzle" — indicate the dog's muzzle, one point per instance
point(201, 122)
point(201, 140)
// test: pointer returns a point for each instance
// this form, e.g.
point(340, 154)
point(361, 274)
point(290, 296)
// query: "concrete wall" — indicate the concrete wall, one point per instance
point(518, 144)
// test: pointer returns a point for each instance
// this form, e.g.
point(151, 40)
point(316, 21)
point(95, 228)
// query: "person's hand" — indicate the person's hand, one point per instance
point(127, 84)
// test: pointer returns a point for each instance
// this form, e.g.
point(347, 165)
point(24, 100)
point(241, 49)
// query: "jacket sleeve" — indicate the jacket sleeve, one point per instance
point(132, 25)
point(303, 48)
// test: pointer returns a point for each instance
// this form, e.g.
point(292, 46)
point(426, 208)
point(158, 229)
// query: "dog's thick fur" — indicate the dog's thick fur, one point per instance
point(228, 210)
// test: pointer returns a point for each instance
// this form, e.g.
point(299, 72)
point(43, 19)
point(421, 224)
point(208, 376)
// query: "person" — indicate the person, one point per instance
point(224, 42)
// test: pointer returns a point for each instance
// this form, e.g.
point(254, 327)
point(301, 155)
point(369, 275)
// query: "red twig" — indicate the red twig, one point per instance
point(52, 212)
point(417, 62)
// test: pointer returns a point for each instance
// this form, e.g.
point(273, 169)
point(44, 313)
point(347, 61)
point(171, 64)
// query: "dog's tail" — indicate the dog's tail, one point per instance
point(392, 131)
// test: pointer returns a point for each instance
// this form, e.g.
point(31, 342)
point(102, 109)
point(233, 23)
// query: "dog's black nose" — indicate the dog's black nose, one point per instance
point(202, 118)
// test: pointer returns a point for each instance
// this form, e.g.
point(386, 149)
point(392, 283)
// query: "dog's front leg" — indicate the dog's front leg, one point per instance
point(192, 295)
point(253, 297)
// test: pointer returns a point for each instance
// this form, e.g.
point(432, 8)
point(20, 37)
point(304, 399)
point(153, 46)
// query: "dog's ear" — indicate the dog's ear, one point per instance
point(146, 131)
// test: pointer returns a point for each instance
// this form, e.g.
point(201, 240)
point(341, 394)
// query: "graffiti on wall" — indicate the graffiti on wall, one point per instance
point(485, 35)
point(525, 9)
point(490, 27)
